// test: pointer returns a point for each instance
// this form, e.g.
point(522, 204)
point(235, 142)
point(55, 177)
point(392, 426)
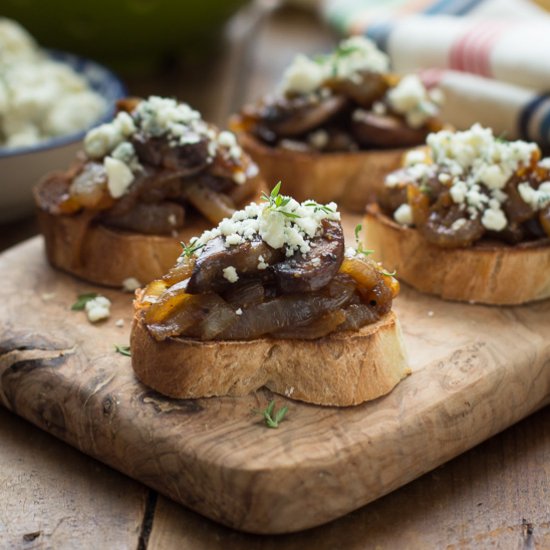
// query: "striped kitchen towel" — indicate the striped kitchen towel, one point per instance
point(490, 57)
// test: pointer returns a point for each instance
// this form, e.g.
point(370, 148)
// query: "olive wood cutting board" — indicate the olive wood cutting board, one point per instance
point(475, 371)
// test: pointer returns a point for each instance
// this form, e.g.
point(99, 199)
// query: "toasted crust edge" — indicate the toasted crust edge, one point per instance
point(109, 256)
point(341, 369)
point(351, 179)
point(495, 275)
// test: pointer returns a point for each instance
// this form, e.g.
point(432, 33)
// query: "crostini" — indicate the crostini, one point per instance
point(153, 176)
point(337, 124)
point(271, 297)
point(467, 218)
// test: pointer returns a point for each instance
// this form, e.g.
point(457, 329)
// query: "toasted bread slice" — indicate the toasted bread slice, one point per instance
point(350, 179)
point(345, 368)
point(488, 273)
point(107, 256)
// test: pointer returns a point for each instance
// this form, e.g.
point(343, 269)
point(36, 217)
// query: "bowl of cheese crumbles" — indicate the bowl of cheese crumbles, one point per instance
point(48, 101)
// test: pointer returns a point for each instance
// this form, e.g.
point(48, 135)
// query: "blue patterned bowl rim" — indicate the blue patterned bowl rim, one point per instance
point(100, 79)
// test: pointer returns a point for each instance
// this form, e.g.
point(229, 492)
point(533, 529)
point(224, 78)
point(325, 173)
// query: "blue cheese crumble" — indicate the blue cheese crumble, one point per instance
point(291, 227)
point(353, 56)
point(476, 167)
point(156, 117)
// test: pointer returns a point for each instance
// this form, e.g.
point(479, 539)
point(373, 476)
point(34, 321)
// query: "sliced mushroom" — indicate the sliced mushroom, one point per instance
point(312, 271)
point(208, 273)
point(151, 219)
point(297, 116)
point(370, 129)
point(365, 90)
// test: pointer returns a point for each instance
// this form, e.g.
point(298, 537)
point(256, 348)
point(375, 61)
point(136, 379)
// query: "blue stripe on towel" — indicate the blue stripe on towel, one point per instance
point(452, 7)
point(380, 32)
point(527, 114)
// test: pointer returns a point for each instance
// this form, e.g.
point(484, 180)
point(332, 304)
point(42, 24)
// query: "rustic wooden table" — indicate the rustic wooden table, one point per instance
point(52, 496)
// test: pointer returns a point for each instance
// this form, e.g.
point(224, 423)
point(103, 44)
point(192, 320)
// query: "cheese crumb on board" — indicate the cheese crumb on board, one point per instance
point(130, 284)
point(98, 309)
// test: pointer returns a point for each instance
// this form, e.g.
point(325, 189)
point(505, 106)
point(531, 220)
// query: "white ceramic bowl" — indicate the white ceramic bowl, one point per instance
point(22, 167)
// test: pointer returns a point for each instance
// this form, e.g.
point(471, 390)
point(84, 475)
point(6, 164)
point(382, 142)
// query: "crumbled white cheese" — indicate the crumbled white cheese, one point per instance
point(357, 54)
point(303, 76)
point(98, 308)
point(39, 98)
point(119, 323)
point(239, 177)
point(350, 252)
point(239, 311)
point(410, 98)
point(494, 219)
point(403, 215)
point(379, 108)
point(316, 261)
point(479, 166)
point(160, 117)
point(119, 176)
point(414, 157)
point(318, 139)
point(262, 263)
point(105, 138)
point(537, 199)
point(459, 224)
point(545, 163)
point(353, 56)
point(230, 273)
point(130, 284)
point(290, 227)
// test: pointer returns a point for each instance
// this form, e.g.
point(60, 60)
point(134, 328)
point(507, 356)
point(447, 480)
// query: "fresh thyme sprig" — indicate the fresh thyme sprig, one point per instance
point(358, 245)
point(190, 249)
point(82, 300)
point(316, 206)
point(123, 350)
point(277, 202)
point(272, 419)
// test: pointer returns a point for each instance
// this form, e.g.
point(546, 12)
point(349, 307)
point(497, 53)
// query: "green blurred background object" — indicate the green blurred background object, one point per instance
point(128, 35)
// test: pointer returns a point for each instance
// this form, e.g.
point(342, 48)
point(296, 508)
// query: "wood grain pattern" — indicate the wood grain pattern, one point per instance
point(476, 370)
point(470, 503)
point(54, 497)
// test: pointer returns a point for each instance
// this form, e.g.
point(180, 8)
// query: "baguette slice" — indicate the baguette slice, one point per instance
point(350, 179)
point(341, 369)
point(487, 273)
point(107, 256)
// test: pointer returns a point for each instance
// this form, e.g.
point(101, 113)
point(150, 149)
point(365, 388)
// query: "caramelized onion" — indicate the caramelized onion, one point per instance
point(182, 270)
point(357, 316)
point(316, 329)
point(290, 310)
point(245, 294)
point(213, 206)
point(168, 302)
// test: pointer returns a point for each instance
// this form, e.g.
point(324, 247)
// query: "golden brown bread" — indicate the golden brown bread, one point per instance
point(106, 256)
point(350, 179)
point(341, 369)
point(489, 274)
